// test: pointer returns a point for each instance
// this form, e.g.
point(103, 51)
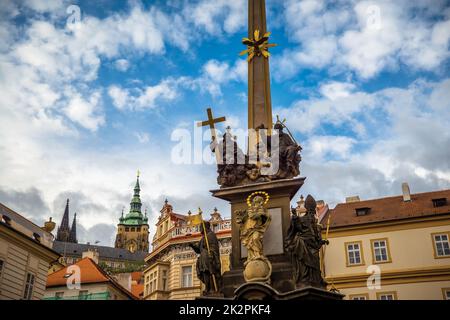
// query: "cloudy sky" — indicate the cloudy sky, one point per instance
point(91, 91)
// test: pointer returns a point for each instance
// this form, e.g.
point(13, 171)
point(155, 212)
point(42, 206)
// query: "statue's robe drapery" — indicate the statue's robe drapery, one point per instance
point(253, 231)
point(289, 157)
point(208, 263)
point(303, 242)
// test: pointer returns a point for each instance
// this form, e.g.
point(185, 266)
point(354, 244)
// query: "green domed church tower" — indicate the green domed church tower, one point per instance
point(132, 230)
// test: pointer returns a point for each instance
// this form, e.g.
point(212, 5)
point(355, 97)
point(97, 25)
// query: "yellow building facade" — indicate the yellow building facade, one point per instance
point(25, 257)
point(172, 273)
point(390, 248)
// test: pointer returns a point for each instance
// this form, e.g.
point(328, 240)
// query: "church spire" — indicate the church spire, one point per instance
point(73, 230)
point(65, 219)
point(64, 230)
point(137, 187)
point(135, 216)
point(136, 204)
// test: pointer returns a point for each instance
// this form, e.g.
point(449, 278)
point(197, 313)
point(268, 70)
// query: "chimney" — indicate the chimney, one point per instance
point(93, 254)
point(352, 199)
point(406, 192)
point(124, 279)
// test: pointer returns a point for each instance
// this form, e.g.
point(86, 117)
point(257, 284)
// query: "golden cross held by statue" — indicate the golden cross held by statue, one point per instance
point(210, 122)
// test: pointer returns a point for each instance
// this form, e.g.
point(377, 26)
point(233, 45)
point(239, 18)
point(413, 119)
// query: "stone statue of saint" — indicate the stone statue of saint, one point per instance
point(253, 224)
point(289, 156)
point(303, 242)
point(233, 168)
point(208, 262)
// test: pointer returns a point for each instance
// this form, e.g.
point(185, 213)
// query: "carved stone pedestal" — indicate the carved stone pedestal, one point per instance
point(261, 291)
point(281, 192)
point(257, 291)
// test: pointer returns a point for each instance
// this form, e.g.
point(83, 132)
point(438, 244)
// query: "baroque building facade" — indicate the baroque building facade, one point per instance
point(171, 271)
point(26, 255)
point(390, 248)
point(132, 230)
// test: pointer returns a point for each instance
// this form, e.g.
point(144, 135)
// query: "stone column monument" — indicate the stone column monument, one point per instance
point(259, 197)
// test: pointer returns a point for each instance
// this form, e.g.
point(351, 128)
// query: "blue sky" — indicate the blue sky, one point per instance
point(364, 86)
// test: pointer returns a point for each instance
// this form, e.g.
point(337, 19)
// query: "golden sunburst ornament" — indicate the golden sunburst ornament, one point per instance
point(258, 193)
point(257, 46)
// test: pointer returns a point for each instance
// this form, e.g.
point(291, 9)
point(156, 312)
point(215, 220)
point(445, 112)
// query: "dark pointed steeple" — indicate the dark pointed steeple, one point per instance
point(73, 230)
point(64, 230)
point(65, 219)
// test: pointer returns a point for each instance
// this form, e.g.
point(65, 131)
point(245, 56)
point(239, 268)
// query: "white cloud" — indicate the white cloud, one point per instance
point(145, 98)
point(217, 16)
point(45, 6)
point(335, 107)
point(213, 75)
point(222, 72)
point(122, 65)
point(217, 73)
point(119, 96)
point(320, 146)
point(143, 137)
point(397, 144)
point(335, 90)
point(85, 112)
point(365, 37)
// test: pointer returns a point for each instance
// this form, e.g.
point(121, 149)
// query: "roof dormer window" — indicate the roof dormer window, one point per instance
point(6, 220)
point(440, 202)
point(362, 211)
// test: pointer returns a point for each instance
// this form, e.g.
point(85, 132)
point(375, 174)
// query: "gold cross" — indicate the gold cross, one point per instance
point(210, 122)
point(138, 173)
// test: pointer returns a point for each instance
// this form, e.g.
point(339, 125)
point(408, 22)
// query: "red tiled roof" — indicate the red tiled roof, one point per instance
point(388, 209)
point(137, 290)
point(90, 272)
point(136, 276)
point(176, 216)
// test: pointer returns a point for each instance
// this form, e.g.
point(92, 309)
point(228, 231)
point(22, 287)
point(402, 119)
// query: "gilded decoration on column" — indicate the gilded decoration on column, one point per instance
point(253, 223)
point(257, 46)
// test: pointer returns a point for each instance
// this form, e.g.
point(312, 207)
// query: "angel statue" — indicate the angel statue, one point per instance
point(253, 224)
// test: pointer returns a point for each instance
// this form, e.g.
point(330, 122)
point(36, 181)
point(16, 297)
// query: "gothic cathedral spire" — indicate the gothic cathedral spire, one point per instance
point(64, 229)
point(73, 230)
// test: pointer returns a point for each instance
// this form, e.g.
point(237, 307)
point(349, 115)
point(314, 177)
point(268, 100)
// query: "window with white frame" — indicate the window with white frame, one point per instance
point(380, 250)
point(358, 297)
point(29, 286)
point(153, 282)
point(386, 296)
point(441, 244)
point(446, 294)
point(186, 272)
point(354, 253)
point(164, 280)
